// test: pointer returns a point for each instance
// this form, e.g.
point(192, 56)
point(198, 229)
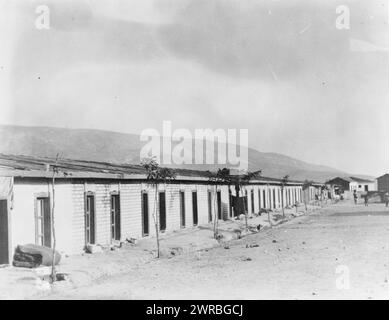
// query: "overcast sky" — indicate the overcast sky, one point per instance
point(278, 68)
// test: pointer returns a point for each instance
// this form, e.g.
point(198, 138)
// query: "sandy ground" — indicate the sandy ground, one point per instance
point(86, 269)
point(339, 252)
point(296, 260)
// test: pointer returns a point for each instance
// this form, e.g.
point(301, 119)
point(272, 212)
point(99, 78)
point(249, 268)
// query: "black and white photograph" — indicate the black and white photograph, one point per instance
point(194, 150)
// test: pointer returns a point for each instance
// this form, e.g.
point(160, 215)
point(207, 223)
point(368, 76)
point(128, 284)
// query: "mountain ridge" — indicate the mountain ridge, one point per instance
point(117, 147)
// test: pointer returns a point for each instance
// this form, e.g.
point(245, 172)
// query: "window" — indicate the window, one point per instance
point(145, 214)
point(182, 208)
point(209, 206)
point(259, 198)
point(162, 211)
point(194, 208)
point(90, 219)
point(115, 217)
point(43, 222)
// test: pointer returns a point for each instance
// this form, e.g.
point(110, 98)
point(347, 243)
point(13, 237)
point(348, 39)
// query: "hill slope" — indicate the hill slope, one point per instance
point(98, 145)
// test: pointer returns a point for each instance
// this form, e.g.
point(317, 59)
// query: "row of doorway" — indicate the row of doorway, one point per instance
point(43, 231)
point(269, 200)
point(162, 211)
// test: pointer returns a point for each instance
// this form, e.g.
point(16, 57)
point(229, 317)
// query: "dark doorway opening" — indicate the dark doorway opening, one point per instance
point(194, 207)
point(252, 202)
point(274, 198)
point(4, 235)
point(145, 214)
point(209, 206)
point(219, 205)
point(231, 203)
point(182, 208)
point(162, 211)
point(264, 199)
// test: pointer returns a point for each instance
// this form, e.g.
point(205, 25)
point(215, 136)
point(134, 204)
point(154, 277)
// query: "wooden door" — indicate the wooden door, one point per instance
point(182, 209)
point(194, 207)
point(264, 199)
point(274, 199)
point(252, 202)
point(162, 211)
point(209, 206)
point(145, 214)
point(4, 235)
point(219, 205)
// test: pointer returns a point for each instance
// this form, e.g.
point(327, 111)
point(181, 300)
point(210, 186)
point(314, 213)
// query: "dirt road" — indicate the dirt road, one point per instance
point(342, 252)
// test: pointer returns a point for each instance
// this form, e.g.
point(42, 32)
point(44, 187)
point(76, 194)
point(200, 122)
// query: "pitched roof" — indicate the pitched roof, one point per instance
point(361, 180)
point(384, 175)
point(352, 179)
point(347, 179)
point(42, 167)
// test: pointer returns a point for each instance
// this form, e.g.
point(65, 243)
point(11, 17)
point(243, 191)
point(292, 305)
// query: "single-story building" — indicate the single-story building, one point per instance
point(100, 203)
point(383, 183)
point(342, 184)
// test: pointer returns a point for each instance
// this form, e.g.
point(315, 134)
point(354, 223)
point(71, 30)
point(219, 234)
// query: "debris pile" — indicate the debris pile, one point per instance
point(32, 256)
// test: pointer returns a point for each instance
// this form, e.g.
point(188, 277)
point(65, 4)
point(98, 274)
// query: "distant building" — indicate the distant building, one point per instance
point(383, 183)
point(342, 184)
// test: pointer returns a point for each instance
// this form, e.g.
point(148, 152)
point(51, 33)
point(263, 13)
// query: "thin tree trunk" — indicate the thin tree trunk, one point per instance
point(215, 213)
point(155, 216)
point(237, 200)
point(246, 210)
point(53, 271)
point(282, 200)
point(268, 217)
point(53, 275)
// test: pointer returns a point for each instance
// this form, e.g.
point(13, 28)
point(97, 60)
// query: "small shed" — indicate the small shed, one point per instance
point(383, 183)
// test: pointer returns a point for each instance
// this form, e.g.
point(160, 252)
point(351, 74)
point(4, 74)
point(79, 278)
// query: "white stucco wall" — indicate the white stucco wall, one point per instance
point(23, 212)
point(360, 186)
point(70, 208)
